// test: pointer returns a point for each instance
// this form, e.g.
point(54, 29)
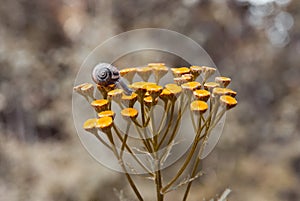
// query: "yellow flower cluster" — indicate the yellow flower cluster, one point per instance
point(207, 101)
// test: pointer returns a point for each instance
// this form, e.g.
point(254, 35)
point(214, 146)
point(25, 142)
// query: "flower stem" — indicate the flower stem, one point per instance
point(131, 182)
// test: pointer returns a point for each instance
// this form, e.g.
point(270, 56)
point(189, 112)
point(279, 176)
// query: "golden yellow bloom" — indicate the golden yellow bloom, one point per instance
point(223, 91)
point(191, 86)
point(154, 90)
point(174, 89)
point(156, 64)
point(100, 105)
point(165, 95)
point(129, 101)
point(129, 113)
point(228, 101)
point(104, 123)
point(90, 126)
point(202, 94)
point(199, 107)
point(178, 72)
point(139, 87)
point(107, 113)
point(149, 101)
point(103, 90)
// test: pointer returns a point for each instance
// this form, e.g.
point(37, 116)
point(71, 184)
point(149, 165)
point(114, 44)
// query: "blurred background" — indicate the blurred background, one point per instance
point(43, 43)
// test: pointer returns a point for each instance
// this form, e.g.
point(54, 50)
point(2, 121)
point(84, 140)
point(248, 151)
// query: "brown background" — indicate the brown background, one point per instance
point(43, 43)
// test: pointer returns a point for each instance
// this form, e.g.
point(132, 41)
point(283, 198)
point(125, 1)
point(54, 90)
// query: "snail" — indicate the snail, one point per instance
point(105, 74)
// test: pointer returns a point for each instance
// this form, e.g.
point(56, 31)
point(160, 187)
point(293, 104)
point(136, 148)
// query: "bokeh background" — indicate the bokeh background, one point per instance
point(43, 43)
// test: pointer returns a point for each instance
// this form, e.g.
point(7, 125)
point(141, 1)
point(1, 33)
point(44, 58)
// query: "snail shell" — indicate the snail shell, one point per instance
point(105, 74)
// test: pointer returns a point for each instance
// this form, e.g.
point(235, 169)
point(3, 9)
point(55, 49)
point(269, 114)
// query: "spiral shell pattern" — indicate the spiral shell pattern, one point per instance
point(105, 74)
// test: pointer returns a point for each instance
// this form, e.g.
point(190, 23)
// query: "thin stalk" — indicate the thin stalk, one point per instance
point(124, 145)
point(144, 139)
point(124, 140)
point(143, 109)
point(206, 135)
point(181, 112)
point(158, 177)
point(102, 141)
point(131, 182)
point(166, 111)
point(188, 159)
point(169, 125)
point(194, 171)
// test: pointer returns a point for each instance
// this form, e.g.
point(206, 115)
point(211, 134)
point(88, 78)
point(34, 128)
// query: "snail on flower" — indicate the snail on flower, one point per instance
point(105, 74)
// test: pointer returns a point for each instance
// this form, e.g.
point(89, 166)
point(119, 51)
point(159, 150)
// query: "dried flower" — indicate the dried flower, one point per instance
point(129, 113)
point(104, 124)
point(199, 107)
point(223, 81)
point(107, 113)
point(140, 88)
point(223, 91)
point(228, 101)
point(90, 126)
point(154, 90)
point(86, 90)
point(181, 80)
point(129, 101)
point(196, 71)
point(156, 64)
point(115, 95)
point(159, 70)
point(174, 90)
point(202, 95)
point(209, 86)
point(190, 86)
point(178, 72)
point(100, 105)
point(128, 74)
point(146, 98)
point(149, 101)
point(207, 71)
point(144, 73)
point(105, 89)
